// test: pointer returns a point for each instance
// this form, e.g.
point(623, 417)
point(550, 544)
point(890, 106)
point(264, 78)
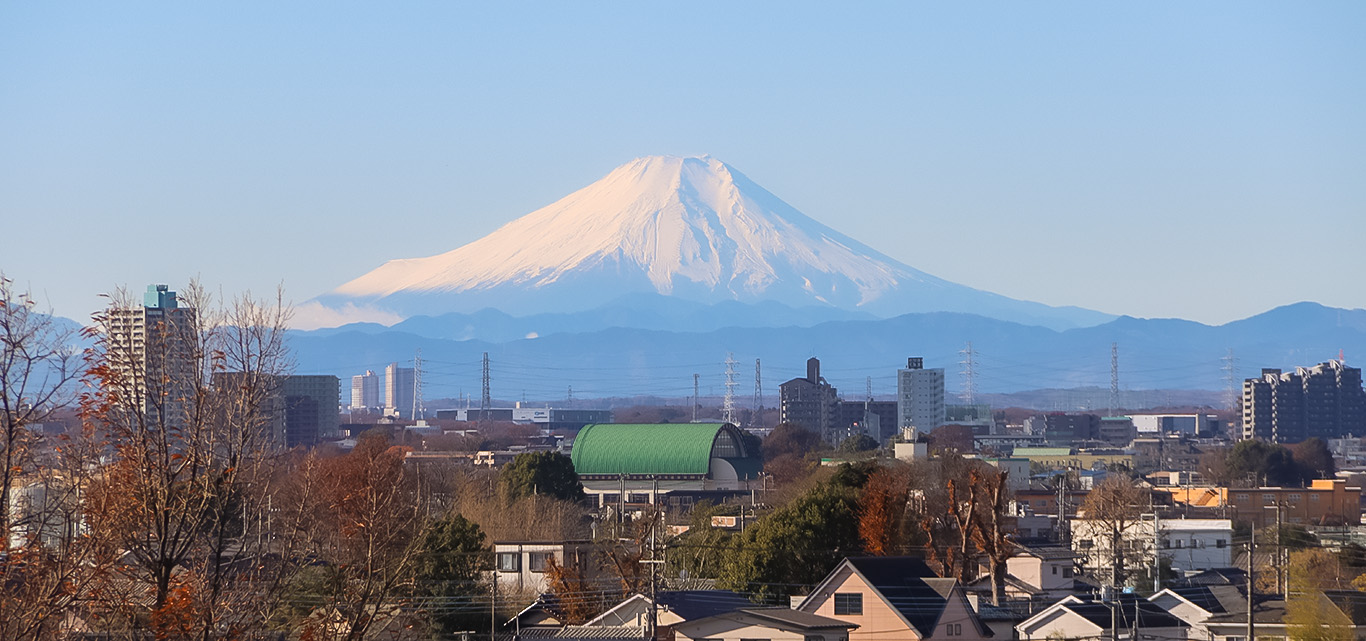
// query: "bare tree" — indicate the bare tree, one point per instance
point(994, 528)
point(45, 562)
point(188, 398)
point(1112, 510)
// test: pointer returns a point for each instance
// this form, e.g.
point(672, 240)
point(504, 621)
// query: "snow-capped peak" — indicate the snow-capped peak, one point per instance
point(684, 225)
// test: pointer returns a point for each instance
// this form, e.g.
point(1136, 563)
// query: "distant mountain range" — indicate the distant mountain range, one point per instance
point(1009, 357)
point(693, 229)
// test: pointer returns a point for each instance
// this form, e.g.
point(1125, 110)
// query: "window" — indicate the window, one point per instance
point(1220, 543)
point(1313, 498)
point(509, 561)
point(1269, 498)
point(953, 629)
point(638, 497)
point(848, 603)
point(536, 561)
point(1067, 573)
point(1180, 544)
point(1241, 497)
point(813, 637)
point(1085, 544)
point(1055, 569)
point(610, 498)
point(1294, 497)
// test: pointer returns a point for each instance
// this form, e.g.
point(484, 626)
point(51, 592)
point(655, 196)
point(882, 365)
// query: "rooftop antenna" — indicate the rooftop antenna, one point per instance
point(756, 418)
point(969, 374)
point(728, 406)
point(1114, 378)
point(419, 412)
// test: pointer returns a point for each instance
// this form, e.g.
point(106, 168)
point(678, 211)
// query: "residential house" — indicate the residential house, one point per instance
point(770, 624)
point(1125, 617)
point(1196, 604)
point(895, 598)
point(673, 607)
point(520, 566)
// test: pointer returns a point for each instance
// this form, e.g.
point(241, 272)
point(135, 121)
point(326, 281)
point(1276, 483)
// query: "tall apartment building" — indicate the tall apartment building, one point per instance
point(810, 402)
point(1324, 401)
point(365, 392)
point(398, 391)
point(152, 346)
point(919, 397)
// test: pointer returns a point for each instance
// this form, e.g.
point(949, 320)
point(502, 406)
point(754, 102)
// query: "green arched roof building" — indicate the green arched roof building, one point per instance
point(660, 449)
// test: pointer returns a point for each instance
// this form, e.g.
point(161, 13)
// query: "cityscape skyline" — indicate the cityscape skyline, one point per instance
point(1010, 149)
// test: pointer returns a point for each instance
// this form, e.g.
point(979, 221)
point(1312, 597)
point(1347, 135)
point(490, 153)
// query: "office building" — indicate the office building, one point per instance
point(1324, 401)
point(920, 397)
point(365, 392)
point(810, 402)
point(312, 408)
point(398, 391)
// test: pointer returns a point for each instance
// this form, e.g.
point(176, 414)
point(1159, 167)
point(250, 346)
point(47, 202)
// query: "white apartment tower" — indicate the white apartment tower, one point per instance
point(398, 391)
point(919, 397)
point(152, 347)
point(365, 391)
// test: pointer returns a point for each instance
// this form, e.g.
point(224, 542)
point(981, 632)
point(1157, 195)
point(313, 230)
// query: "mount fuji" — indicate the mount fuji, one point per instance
point(690, 228)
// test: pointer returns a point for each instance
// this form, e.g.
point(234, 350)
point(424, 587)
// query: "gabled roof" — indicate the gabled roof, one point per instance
point(687, 604)
point(646, 448)
point(1125, 612)
point(1215, 599)
point(787, 617)
point(907, 585)
point(1216, 576)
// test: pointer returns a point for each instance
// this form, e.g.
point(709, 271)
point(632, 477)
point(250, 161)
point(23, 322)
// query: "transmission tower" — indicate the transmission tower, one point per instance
point(756, 418)
point(728, 406)
point(419, 412)
point(486, 403)
point(969, 374)
point(1230, 381)
point(569, 397)
point(1114, 378)
point(696, 402)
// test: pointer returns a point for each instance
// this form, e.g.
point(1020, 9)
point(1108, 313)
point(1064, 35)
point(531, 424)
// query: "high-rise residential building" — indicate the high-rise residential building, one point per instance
point(398, 391)
point(919, 397)
point(810, 402)
point(1324, 401)
point(365, 392)
point(152, 347)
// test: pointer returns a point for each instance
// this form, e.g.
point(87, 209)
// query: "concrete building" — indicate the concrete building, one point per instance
point(1324, 401)
point(810, 402)
point(1188, 424)
point(520, 566)
point(920, 397)
point(365, 392)
point(312, 408)
point(398, 391)
point(152, 349)
point(1191, 545)
point(547, 418)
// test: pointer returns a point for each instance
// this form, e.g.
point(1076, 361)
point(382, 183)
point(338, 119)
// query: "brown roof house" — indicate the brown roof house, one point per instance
point(895, 598)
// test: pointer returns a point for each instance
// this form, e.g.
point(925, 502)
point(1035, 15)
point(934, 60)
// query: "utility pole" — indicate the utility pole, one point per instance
point(1251, 552)
point(1157, 552)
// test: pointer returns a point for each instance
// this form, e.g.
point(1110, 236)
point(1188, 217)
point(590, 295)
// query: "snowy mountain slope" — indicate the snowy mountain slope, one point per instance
point(689, 227)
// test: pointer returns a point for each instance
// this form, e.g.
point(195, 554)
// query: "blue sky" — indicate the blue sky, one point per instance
point(1198, 160)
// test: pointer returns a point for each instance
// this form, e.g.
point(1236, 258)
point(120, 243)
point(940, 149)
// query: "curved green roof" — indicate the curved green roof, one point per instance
point(645, 448)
